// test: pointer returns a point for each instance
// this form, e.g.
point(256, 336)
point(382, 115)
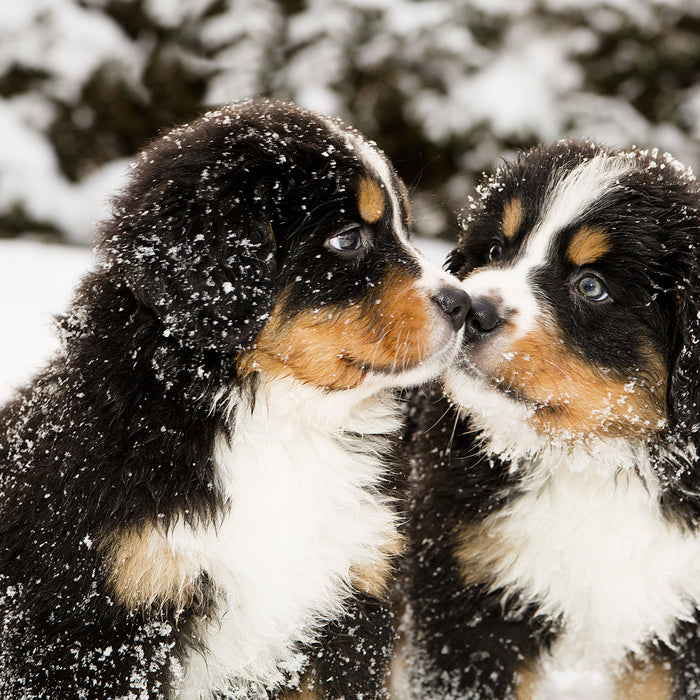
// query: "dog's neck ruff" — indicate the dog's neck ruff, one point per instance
point(593, 551)
point(300, 477)
point(583, 538)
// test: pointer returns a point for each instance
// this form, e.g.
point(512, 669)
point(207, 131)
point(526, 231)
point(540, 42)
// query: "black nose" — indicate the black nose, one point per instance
point(455, 304)
point(483, 317)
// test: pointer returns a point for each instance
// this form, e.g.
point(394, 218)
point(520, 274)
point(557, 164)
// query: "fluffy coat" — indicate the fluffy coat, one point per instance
point(196, 495)
point(555, 507)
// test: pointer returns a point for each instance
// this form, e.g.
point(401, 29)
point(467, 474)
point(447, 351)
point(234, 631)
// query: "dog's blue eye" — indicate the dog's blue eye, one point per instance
point(592, 288)
point(495, 251)
point(348, 240)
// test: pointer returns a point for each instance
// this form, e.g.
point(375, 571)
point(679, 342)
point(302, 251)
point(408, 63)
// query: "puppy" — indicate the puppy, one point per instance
point(557, 497)
point(195, 497)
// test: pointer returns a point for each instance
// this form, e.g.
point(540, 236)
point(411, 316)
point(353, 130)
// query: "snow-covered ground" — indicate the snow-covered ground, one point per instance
point(36, 282)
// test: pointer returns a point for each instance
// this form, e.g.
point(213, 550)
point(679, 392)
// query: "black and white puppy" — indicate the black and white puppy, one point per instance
point(556, 511)
point(195, 498)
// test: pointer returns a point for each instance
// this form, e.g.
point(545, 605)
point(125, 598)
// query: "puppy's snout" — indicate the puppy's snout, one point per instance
point(454, 303)
point(483, 318)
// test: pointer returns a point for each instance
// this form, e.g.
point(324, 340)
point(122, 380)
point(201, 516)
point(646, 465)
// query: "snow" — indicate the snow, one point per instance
point(36, 282)
point(29, 173)
point(516, 90)
point(452, 78)
point(60, 38)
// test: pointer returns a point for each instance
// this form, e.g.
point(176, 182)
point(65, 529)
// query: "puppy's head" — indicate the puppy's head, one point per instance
point(580, 265)
point(276, 240)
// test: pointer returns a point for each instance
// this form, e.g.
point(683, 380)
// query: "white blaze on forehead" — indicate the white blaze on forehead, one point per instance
point(379, 167)
point(567, 199)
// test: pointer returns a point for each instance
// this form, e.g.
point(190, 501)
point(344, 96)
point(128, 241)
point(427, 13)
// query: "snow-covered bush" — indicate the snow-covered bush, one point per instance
point(447, 87)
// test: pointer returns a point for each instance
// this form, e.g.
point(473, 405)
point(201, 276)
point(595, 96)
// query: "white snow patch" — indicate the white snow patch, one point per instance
point(30, 177)
point(36, 283)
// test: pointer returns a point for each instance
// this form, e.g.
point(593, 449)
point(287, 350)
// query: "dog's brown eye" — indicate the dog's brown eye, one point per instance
point(348, 240)
point(592, 288)
point(495, 251)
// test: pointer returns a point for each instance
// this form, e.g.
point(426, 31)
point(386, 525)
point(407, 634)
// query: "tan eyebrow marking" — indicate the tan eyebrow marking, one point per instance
point(512, 217)
point(370, 200)
point(589, 243)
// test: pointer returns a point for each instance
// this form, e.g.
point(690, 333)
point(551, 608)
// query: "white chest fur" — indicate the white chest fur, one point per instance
point(304, 510)
point(590, 545)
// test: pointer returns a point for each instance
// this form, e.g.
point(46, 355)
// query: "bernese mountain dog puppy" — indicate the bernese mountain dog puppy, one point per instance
point(555, 530)
point(195, 494)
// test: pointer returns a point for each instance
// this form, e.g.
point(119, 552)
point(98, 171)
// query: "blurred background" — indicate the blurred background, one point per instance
point(446, 87)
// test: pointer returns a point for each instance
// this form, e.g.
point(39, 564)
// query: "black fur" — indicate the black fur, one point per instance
point(117, 432)
point(469, 641)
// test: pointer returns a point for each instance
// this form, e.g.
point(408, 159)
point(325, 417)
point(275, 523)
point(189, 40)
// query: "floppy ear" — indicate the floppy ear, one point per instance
point(676, 454)
point(200, 256)
point(683, 396)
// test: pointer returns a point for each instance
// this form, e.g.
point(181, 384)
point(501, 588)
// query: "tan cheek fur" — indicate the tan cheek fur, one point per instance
point(335, 347)
point(143, 570)
point(573, 397)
